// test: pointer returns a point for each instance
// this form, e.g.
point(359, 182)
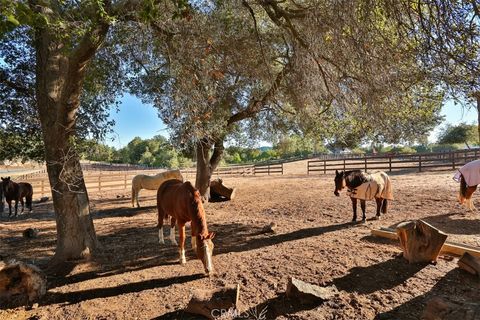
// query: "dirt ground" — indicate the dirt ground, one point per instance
point(136, 278)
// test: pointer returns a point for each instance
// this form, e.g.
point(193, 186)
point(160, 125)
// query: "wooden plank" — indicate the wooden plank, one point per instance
point(449, 247)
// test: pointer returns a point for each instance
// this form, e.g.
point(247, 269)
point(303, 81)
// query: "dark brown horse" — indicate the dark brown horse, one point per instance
point(17, 191)
point(376, 185)
point(183, 203)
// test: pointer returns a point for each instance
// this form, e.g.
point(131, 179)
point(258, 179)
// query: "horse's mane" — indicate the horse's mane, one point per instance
point(199, 216)
point(355, 178)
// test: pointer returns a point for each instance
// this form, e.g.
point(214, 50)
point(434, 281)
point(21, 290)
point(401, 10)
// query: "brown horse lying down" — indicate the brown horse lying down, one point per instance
point(469, 178)
point(183, 203)
point(17, 191)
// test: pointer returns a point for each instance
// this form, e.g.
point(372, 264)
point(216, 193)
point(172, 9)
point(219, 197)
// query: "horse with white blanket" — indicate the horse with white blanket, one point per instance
point(143, 181)
point(469, 178)
point(364, 186)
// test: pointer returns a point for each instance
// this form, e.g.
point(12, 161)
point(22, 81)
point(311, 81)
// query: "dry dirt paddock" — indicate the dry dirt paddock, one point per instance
point(135, 278)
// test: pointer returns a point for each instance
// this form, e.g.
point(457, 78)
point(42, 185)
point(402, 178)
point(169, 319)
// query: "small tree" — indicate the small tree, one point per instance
point(461, 133)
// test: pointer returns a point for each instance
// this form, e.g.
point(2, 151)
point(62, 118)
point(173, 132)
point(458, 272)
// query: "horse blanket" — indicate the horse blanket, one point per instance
point(470, 172)
point(377, 186)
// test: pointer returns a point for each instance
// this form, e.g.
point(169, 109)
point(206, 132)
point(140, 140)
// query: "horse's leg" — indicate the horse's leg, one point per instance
point(354, 207)
point(469, 201)
point(379, 206)
point(385, 206)
point(16, 207)
point(23, 204)
point(133, 197)
point(172, 231)
point(194, 238)
point(362, 205)
point(160, 226)
point(9, 201)
point(137, 195)
point(181, 238)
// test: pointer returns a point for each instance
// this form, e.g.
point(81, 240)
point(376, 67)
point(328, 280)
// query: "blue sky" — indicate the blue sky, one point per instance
point(136, 119)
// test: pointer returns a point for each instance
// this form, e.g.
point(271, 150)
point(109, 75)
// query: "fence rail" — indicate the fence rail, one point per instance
point(420, 162)
point(98, 181)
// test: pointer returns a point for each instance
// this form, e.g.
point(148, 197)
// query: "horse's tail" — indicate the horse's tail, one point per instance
point(463, 189)
point(133, 195)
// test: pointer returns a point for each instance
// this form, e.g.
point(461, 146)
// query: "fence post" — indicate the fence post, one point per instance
point(324, 166)
point(365, 164)
point(420, 163)
point(390, 163)
point(282, 168)
point(344, 164)
point(268, 169)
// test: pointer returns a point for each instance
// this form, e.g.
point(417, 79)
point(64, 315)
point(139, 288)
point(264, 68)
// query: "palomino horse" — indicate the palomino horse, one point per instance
point(469, 178)
point(365, 186)
point(17, 191)
point(183, 203)
point(143, 181)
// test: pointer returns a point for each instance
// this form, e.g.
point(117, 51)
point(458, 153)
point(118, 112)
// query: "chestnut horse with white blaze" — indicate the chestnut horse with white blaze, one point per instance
point(183, 203)
point(469, 178)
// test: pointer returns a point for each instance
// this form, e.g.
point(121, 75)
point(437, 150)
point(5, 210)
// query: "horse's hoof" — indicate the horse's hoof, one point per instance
point(174, 243)
point(364, 220)
point(183, 262)
point(161, 242)
point(377, 217)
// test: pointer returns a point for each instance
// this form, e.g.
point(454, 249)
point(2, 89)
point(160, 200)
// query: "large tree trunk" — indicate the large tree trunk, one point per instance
point(60, 72)
point(206, 165)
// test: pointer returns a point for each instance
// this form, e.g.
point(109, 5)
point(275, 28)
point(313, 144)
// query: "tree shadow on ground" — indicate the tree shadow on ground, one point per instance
point(381, 276)
point(125, 250)
point(137, 248)
point(121, 212)
point(270, 309)
point(445, 223)
point(239, 237)
point(455, 286)
point(78, 296)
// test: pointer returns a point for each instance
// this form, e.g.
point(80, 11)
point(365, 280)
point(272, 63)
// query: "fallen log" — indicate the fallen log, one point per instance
point(219, 190)
point(469, 263)
point(420, 241)
point(21, 284)
point(449, 247)
point(213, 304)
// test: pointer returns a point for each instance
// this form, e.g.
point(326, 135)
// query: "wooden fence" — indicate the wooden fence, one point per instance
point(419, 162)
point(100, 181)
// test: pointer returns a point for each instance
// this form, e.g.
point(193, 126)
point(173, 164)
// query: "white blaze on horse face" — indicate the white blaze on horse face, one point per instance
point(172, 236)
point(160, 236)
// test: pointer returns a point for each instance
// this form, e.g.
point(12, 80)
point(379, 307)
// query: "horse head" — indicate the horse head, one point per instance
point(205, 251)
point(339, 182)
point(5, 182)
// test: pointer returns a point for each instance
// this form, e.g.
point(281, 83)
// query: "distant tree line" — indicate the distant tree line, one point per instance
point(159, 152)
